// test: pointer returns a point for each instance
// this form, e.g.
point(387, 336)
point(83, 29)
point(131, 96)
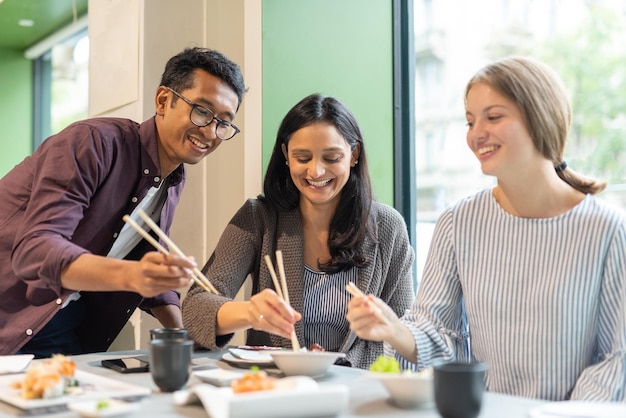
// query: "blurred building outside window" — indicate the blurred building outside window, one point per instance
point(63, 77)
point(70, 82)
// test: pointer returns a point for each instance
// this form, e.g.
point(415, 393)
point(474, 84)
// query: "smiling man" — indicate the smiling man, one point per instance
point(72, 271)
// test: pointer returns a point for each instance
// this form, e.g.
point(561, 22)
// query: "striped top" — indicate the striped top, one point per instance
point(544, 300)
point(325, 307)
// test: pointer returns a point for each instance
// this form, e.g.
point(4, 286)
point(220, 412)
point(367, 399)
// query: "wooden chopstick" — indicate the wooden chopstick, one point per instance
point(156, 244)
point(145, 234)
point(198, 274)
point(355, 291)
point(281, 290)
point(281, 271)
point(198, 277)
point(270, 267)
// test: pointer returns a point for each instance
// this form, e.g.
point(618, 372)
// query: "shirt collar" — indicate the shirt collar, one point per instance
point(150, 163)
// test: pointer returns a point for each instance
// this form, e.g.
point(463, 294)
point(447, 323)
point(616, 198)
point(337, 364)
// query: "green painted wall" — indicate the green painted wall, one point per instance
point(337, 48)
point(15, 108)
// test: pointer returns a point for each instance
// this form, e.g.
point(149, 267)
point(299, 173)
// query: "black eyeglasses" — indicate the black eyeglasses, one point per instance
point(202, 116)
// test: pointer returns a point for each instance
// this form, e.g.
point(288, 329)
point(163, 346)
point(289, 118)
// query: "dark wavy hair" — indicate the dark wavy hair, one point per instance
point(179, 70)
point(349, 225)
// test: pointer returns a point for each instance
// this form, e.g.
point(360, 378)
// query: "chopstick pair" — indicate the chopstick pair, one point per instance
point(355, 291)
point(281, 288)
point(198, 277)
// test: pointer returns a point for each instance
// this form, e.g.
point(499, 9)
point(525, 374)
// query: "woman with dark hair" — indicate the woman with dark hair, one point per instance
point(529, 275)
point(317, 208)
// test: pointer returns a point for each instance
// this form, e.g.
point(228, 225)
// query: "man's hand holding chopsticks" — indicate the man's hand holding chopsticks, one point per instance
point(153, 274)
point(156, 273)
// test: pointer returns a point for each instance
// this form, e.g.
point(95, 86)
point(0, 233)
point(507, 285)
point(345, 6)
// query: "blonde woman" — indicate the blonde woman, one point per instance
point(531, 272)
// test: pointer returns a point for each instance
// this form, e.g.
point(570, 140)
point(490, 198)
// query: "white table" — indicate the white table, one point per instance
point(368, 398)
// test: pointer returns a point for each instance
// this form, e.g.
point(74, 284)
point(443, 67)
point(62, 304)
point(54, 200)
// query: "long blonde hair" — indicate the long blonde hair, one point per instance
point(543, 100)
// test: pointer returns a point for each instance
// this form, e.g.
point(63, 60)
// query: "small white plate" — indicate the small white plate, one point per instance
point(15, 364)
point(579, 409)
point(252, 355)
point(242, 362)
point(218, 377)
point(113, 408)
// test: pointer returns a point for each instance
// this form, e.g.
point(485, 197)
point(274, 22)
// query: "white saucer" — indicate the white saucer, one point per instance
point(219, 377)
point(247, 362)
point(113, 408)
point(252, 355)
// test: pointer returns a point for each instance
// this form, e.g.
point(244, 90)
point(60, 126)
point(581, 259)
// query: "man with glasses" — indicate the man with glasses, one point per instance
point(72, 272)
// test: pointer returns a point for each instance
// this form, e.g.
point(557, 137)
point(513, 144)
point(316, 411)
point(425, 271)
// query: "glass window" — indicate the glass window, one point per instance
point(582, 40)
point(61, 86)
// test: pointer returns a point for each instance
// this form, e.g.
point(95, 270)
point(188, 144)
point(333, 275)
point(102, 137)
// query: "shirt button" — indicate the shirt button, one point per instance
point(157, 179)
point(127, 310)
point(59, 301)
point(115, 235)
point(29, 331)
point(134, 199)
point(146, 171)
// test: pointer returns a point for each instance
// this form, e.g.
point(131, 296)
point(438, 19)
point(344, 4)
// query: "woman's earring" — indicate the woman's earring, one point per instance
point(356, 162)
point(287, 163)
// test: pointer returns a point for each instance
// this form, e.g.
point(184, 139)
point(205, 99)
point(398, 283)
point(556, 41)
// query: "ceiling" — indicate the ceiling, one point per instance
point(47, 17)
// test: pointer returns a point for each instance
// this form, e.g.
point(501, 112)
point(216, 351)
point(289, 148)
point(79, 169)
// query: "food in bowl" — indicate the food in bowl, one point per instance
point(316, 347)
point(407, 389)
point(385, 364)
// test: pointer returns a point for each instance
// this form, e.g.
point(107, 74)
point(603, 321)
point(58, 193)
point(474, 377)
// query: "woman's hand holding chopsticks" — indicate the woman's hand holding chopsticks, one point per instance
point(270, 313)
point(370, 317)
point(275, 315)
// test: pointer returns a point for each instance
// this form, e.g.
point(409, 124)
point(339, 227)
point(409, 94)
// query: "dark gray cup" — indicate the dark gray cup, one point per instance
point(170, 363)
point(459, 389)
point(168, 333)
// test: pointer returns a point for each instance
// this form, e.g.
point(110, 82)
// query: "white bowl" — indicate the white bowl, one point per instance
point(408, 390)
point(305, 363)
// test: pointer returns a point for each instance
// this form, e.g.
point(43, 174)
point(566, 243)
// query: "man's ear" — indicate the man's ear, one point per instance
point(161, 100)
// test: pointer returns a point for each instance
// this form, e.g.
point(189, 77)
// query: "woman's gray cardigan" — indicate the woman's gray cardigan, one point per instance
point(257, 230)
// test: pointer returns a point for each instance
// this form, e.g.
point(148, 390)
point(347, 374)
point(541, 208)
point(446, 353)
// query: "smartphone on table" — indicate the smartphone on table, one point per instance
point(127, 365)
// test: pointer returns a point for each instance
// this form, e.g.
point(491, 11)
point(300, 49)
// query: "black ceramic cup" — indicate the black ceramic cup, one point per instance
point(168, 333)
point(170, 362)
point(459, 389)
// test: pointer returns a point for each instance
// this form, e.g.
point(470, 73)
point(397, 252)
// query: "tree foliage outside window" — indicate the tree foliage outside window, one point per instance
point(592, 63)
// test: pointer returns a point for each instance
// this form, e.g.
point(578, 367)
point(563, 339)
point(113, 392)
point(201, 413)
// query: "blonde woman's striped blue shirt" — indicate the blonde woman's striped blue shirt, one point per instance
point(544, 300)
